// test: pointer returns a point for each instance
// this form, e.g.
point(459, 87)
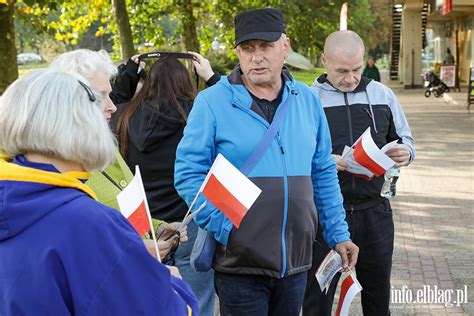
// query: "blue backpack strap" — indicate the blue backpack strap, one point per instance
point(267, 138)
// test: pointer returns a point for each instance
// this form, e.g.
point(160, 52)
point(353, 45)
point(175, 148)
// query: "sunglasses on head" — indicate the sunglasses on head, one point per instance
point(166, 54)
point(172, 55)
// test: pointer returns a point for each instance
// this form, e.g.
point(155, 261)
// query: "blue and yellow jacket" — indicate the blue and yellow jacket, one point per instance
point(297, 175)
point(62, 252)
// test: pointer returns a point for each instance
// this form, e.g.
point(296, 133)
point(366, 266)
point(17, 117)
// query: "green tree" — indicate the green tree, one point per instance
point(8, 67)
point(125, 31)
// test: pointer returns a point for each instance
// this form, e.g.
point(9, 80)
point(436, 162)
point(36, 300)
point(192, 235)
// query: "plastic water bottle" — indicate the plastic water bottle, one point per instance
point(389, 187)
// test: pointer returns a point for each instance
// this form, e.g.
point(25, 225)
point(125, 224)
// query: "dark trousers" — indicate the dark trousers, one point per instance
point(254, 295)
point(372, 230)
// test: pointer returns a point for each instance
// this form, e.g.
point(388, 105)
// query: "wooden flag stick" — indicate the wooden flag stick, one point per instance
point(137, 170)
point(191, 206)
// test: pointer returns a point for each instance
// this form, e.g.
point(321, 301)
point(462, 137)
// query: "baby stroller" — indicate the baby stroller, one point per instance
point(435, 85)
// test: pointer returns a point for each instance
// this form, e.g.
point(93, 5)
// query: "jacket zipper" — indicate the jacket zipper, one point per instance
point(285, 185)
point(285, 205)
point(351, 136)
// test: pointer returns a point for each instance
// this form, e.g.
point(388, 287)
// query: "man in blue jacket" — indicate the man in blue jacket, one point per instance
point(353, 103)
point(261, 266)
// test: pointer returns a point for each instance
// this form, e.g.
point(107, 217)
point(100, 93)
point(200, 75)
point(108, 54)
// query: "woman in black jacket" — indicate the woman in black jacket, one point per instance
point(149, 129)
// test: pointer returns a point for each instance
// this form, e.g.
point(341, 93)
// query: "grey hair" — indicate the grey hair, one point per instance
point(85, 62)
point(50, 113)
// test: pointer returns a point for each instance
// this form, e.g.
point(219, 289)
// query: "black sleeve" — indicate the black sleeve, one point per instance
point(125, 84)
point(213, 80)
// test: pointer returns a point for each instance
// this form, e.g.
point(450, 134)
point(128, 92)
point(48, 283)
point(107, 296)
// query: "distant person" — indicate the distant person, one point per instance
point(63, 252)
point(449, 58)
point(371, 71)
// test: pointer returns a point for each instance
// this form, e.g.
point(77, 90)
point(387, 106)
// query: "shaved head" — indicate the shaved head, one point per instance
point(347, 43)
point(343, 58)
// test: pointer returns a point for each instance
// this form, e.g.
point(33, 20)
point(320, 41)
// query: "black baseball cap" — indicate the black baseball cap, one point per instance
point(260, 24)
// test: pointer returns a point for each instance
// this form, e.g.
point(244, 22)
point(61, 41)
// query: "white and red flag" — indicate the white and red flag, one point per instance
point(229, 190)
point(349, 289)
point(365, 159)
point(134, 206)
point(367, 154)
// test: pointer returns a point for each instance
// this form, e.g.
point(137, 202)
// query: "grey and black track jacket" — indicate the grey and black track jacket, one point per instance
point(349, 114)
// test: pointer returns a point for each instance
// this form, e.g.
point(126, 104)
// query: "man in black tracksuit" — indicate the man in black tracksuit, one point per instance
point(352, 103)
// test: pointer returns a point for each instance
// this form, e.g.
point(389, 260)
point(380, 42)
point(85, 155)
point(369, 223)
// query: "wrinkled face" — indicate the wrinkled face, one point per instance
point(101, 83)
point(261, 62)
point(344, 72)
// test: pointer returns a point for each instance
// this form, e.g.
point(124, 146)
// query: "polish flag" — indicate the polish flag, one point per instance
point(349, 289)
point(134, 206)
point(368, 155)
point(229, 190)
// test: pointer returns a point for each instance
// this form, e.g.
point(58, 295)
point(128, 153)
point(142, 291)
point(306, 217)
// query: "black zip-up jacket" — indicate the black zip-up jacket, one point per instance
point(349, 114)
point(153, 138)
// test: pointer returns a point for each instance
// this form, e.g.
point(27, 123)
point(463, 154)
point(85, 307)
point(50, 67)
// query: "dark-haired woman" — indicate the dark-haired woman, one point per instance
point(149, 129)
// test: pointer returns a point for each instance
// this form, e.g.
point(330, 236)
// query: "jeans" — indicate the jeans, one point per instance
point(202, 283)
point(256, 295)
point(373, 231)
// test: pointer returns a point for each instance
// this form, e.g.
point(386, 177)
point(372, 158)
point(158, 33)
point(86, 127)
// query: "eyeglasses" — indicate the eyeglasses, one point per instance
point(90, 94)
point(170, 255)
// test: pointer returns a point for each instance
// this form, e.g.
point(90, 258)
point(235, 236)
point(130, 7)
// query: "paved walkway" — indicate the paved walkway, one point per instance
point(433, 211)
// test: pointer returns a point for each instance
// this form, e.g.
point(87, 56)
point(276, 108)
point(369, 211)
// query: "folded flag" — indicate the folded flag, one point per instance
point(229, 190)
point(349, 289)
point(331, 265)
point(134, 206)
point(367, 154)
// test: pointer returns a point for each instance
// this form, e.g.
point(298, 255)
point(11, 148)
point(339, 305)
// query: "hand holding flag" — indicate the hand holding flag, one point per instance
point(365, 159)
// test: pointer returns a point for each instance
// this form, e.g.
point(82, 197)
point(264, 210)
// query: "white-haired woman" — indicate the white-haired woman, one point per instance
point(62, 252)
point(97, 68)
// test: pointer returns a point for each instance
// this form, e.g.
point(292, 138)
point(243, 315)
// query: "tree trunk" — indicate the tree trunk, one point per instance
point(189, 27)
point(125, 31)
point(8, 66)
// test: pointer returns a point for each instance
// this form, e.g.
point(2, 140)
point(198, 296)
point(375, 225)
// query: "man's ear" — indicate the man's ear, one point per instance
point(287, 47)
point(323, 59)
point(237, 51)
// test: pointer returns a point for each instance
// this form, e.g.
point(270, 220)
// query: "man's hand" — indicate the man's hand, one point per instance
point(349, 253)
point(400, 153)
point(340, 165)
point(202, 66)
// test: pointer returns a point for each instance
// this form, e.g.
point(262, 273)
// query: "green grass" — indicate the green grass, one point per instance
point(24, 69)
point(307, 76)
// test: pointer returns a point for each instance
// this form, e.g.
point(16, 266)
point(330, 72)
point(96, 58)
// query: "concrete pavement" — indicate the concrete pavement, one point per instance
point(433, 212)
point(433, 262)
